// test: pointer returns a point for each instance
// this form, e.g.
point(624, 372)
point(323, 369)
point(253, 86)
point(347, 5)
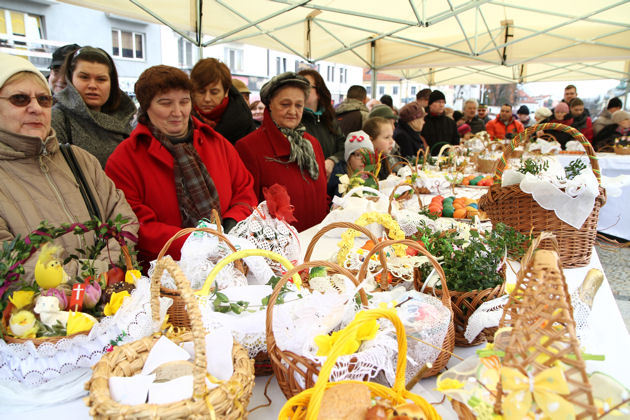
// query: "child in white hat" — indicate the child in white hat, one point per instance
point(357, 145)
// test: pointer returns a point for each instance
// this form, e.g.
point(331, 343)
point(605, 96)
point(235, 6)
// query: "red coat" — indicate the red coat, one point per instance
point(143, 170)
point(498, 129)
point(309, 197)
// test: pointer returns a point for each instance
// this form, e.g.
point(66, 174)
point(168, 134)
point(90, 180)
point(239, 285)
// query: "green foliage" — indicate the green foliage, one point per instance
point(533, 166)
point(574, 168)
point(222, 304)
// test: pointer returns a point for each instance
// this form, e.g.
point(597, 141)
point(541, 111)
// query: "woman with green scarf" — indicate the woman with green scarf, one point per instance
point(281, 152)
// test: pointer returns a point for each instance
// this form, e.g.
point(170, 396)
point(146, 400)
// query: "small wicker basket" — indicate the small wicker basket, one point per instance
point(227, 401)
point(487, 166)
point(306, 405)
point(515, 208)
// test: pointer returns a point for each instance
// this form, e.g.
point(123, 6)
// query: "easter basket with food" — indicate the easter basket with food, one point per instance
point(541, 195)
point(130, 383)
point(357, 399)
point(487, 159)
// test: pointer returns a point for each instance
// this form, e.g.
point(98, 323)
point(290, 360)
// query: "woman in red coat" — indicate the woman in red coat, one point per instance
point(174, 169)
point(281, 152)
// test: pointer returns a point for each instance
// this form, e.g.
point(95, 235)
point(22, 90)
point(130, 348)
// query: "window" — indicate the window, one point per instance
point(395, 90)
point(330, 73)
point(19, 24)
point(234, 59)
point(341, 78)
point(413, 90)
point(127, 44)
point(381, 90)
point(184, 53)
point(369, 90)
point(281, 65)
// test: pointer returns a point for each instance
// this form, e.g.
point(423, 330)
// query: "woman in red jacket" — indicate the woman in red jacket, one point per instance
point(174, 169)
point(280, 151)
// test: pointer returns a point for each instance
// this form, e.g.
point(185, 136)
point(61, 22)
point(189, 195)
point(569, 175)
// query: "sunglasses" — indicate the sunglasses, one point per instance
point(22, 100)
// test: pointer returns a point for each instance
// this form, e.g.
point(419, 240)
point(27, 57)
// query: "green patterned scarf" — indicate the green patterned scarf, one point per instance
point(301, 151)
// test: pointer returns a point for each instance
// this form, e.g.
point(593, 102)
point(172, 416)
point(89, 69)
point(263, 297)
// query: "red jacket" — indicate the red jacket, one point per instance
point(498, 129)
point(308, 196)
point(143, 169)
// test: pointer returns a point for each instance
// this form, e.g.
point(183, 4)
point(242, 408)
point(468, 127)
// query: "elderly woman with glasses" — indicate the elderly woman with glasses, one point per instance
point(281, 151)
point(36, 182)
point(92, 112)
point(174, 169)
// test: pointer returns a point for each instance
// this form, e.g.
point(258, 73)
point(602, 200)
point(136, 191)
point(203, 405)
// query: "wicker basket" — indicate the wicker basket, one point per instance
point(262, 364)
point(621, 150)
point(177, 314)
point(306, 405)
point(513, 207)
point(227, 401)
point(288, 365)
point(487, 166)
point(449, 339)
point(407, 195)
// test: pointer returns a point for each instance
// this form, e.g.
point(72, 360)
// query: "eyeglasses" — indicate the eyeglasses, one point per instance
point(21, 100)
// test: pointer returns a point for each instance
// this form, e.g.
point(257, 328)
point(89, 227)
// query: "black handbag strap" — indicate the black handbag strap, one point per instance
point(86, 192)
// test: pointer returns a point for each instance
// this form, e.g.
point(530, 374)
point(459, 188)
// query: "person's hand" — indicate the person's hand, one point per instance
point(330, 164)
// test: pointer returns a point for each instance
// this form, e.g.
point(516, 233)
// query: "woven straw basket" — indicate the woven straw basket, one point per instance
point(306, 405)
point(177, 314)
point(287, 365)
point(622, 150)
point(449, 340)
point(513, 207)
point(487, 166)
point(407, 195)
point(227, 401)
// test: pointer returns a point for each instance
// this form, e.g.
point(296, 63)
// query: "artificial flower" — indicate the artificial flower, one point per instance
point(367, 331)
point(447, 384)
point(59, 294)
point(326, 342)
point(279, 203)
point(78, 322)
point(92, 294)
point(23, 324)
point(115, 301)
point(21, 298)
point(132, 275)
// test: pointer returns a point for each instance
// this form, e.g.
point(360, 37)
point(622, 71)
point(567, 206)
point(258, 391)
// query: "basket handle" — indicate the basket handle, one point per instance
point(347, 335)
point(198, 332)
point(335, 225)
point(367, 173)
point(446, 297)
point(523, 136)
point(401, 162)
point(186, 231)
point(391, 196)
point(425, 152)
point(205, 290)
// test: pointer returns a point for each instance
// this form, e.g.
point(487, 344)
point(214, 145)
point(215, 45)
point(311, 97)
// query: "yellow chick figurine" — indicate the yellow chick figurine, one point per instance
point(49, 272)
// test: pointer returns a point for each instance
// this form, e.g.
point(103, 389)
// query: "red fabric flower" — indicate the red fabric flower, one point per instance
point(279, 203)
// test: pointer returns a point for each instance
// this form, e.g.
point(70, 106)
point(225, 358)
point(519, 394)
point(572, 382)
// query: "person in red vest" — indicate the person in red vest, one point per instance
point(504, 126)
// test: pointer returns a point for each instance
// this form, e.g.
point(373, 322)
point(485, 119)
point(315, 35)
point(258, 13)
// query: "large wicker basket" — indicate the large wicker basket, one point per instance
point(287, 365)
point(449, 340)
point(511, 206)
point(177, 314)
point(306, 405)
point(227, 401)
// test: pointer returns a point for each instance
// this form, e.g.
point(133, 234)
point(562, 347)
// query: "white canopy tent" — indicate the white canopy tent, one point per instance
point(436, 42)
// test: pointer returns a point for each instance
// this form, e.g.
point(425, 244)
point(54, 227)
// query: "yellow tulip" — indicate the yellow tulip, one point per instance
point(22, 298)
point(23, 324)
point(78, 322)
point(115, 301)
point(132, 275)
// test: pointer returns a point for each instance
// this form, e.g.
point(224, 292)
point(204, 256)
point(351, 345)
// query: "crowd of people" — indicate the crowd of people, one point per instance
point(197, 144)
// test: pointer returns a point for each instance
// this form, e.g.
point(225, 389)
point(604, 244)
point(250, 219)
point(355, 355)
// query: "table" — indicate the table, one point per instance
point(614, 218)
point(608, 336)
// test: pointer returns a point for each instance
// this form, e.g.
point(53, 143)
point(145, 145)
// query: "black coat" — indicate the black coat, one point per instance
point(439, 129)
point(606, 136)
point(561, 136)
point(476, 124)
point(408, 139)
point(332, 142)
point(236, 122)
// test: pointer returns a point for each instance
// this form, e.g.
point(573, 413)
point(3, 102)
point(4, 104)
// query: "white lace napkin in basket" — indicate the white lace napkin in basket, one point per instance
point(572, 200)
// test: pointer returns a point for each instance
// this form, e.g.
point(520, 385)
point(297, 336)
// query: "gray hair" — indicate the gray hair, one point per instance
point(471, 101)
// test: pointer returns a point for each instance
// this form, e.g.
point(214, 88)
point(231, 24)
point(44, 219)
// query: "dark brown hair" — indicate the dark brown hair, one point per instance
point(155, 80)
point(324, 100)
point(357, 92)
point(373, 126)
point(254, 105)
point(576, 102)
point(95, 55)
point(209, 70)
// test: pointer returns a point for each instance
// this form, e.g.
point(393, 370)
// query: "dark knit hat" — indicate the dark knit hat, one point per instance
point(59, 55)
point(457, 115)
point(482, 106)
point(276, 82)
point(523, 110)
point(614, 103)
point(411, 111)
point(436, 95)
point(384, 111)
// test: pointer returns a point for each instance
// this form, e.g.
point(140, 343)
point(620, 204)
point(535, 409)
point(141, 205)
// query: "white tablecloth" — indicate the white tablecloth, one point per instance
point(608, 336)
point(614, 218)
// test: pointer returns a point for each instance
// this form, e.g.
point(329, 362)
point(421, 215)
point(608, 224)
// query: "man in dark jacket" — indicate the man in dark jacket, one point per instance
point(438, 128)
point(470, 116)
point(482, 113)
point(352, 112)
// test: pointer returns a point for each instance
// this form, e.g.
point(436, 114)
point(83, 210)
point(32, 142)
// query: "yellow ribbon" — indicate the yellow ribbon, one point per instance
point(546, 388)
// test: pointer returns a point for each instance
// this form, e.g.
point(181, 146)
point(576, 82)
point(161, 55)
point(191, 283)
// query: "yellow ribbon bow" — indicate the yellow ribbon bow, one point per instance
point(546, 387)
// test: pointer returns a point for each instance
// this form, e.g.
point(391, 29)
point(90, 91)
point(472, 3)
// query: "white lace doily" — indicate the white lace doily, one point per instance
point(34, 366)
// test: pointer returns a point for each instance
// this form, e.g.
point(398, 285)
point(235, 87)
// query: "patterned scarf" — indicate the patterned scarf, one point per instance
point(196, 192)
point(301, 151)
point(213, 117)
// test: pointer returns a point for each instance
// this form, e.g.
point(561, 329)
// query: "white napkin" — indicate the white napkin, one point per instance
point(130, 390)
point(218, 353)
point(163, 351)
point(167, 392)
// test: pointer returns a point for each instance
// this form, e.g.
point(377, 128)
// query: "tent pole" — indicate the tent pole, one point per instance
point(373, 60)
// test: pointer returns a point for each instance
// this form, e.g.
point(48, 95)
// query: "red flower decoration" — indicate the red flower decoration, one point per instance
point(279, 203)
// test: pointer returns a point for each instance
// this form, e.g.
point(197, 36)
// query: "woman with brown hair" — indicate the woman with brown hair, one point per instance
point(320, 120)
point(175, 170)
point(217, 102)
